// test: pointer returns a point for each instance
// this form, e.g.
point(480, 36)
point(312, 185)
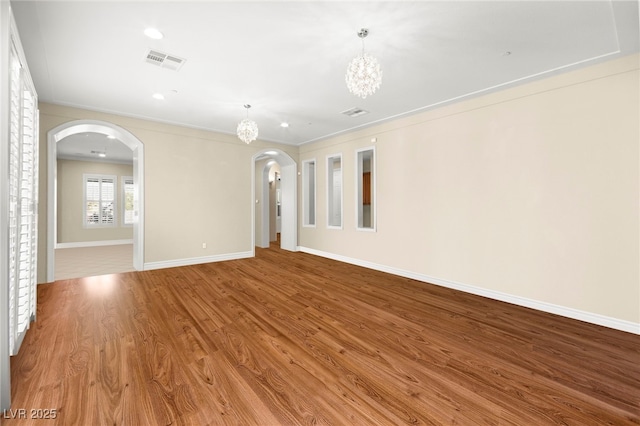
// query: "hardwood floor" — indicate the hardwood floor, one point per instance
point(290, 338)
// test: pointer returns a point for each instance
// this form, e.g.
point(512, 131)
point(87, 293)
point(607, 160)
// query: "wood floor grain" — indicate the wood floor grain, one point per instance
point(294, 339)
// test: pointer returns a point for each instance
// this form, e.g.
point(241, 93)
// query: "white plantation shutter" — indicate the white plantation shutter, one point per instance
point(108, 189)
point(127, 200)
point(99, 200)
point(23, 202)
point(92, 200)
point(34, 205)
point(14, 175)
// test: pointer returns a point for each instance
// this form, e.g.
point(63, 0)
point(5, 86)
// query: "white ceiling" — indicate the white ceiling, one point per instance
point(288, 59)
point(87, 146)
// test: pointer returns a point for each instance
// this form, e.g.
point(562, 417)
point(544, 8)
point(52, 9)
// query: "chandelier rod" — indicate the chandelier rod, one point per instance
point(363, 33)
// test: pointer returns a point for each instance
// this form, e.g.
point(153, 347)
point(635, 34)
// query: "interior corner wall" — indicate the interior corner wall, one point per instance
point(197, 189)
point(531, 192)
point(71, 196)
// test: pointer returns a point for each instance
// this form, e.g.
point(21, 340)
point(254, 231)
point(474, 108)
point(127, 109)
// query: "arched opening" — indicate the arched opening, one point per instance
point(108, 129)
point(268, 213)
point(288, 193)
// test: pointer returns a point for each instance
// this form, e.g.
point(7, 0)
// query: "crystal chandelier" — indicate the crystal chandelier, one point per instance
point(363, 74)
point(247, 129)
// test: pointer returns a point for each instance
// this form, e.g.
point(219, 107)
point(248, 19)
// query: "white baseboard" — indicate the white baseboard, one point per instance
point(196, 260)
point(564, 311)
point(92, 244)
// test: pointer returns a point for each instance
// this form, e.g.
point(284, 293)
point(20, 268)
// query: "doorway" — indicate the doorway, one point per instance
point(108, 130)
point(288, 208)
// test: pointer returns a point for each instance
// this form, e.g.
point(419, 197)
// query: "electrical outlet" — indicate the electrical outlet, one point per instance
point(204, 245)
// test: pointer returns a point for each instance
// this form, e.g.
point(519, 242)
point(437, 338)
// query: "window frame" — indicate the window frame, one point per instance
point(306, 197)
point(360, 187)
point(330, 190)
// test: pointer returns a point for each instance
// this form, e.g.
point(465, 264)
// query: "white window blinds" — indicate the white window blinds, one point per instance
point(23, 202)
point(100, 200)
point(127, 200)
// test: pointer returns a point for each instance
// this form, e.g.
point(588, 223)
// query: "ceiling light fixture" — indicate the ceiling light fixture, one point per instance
point(153, 33)
point(158, 96)
point(284, 124)
point(247, 129)
point(363, 73)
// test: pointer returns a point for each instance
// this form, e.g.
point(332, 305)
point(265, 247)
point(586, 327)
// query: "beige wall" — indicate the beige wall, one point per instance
point(531, 192)
point(197, 186)
point(70, 202)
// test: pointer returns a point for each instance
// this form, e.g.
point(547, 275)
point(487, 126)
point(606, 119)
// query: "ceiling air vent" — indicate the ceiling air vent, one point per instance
point(164, 60)
point(355, 112)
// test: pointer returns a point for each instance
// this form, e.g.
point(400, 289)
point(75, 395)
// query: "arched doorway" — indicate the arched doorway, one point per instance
point(107, 129)
point(289, 191)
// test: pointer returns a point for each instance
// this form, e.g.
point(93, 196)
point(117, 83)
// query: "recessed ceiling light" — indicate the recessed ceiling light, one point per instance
point(153, 33)
point(284, 124)
point(158, 96)
point(102, 154)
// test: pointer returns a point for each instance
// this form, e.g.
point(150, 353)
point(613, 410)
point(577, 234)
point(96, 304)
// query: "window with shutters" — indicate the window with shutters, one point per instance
point(14, 176)
point(22, 199)
point(99, 201)
point(127, 201)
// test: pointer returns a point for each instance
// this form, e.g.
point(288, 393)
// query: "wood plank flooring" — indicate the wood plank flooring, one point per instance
point(290, 338)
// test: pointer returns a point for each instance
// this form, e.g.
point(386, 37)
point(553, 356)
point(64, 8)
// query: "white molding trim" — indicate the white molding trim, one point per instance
point(93, 243)
point(148, 266)
point(564, 311)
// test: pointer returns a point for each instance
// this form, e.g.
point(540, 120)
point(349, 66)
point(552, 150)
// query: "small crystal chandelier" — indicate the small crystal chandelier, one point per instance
point(363, 74)
point(247, 129)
